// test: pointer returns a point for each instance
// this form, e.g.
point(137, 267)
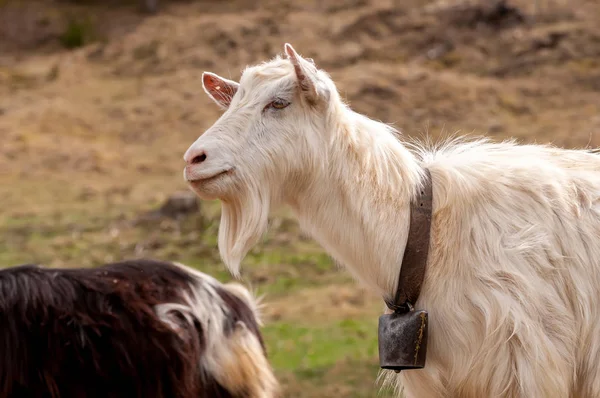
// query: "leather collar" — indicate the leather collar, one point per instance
point(412, 269)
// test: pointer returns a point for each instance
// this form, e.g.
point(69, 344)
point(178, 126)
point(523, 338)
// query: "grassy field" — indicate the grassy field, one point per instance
point(320, 328)
point(99, 102)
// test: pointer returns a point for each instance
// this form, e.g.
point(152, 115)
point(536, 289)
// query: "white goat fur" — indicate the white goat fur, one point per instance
point(513, 279)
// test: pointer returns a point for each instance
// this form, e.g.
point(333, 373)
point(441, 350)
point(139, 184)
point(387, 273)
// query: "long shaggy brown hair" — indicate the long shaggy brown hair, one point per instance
point(141, 328)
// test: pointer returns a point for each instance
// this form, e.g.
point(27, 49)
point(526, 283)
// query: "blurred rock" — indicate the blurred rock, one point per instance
point(149, 6)
point(495, 127)
point(180, 204)
point(497, 14)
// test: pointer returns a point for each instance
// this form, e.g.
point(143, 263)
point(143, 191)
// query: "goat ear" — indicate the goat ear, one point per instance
point(304, 73)
point(219, 89)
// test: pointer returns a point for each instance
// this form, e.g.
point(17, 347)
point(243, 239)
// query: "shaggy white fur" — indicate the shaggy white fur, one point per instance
point(513, 278)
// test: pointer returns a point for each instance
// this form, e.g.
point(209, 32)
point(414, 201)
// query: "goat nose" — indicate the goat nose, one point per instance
point(195, 157)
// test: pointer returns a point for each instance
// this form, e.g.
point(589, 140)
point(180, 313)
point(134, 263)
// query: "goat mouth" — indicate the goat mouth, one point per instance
point(204, 180)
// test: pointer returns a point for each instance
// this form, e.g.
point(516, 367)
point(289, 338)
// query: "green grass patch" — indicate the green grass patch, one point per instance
point(310, 360)
point(297, 347)
point(104, 233)
point(351, 379)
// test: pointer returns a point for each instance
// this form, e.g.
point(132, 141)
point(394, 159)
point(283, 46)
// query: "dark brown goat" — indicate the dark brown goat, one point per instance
point(140, 328)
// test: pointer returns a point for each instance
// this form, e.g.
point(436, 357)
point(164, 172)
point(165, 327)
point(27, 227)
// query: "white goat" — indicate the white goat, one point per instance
point(513, 278)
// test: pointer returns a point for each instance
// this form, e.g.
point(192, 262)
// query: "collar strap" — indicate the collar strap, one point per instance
point(412, 269)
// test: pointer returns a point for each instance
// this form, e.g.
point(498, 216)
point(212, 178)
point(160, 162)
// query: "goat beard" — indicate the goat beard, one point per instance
point(244, 220)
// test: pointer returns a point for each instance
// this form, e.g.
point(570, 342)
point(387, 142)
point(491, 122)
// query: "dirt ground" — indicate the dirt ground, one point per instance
point(98, 103)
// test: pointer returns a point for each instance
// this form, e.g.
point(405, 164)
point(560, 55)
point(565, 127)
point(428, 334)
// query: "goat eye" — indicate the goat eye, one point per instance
point(279, 103)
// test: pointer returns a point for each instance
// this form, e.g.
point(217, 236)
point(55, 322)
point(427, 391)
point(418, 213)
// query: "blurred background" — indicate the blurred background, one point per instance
point(99, 99)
